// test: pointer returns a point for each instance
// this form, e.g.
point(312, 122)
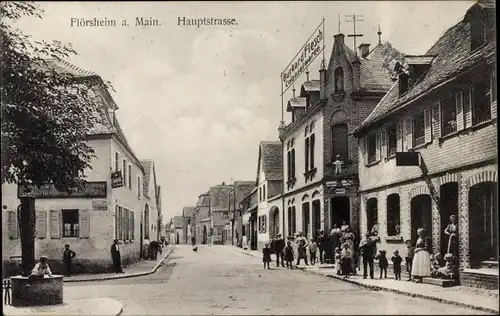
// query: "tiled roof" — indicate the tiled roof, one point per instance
point(243, 189)
point(187, 211)
point(178, 221)
point(219, 197)
point(271, 155)
point(453, 56)
point(297, 102)
point(373, 76)
point(311, 85)
point(148, 168)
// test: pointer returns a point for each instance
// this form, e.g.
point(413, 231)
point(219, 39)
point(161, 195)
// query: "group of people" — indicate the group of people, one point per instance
point(340, 248)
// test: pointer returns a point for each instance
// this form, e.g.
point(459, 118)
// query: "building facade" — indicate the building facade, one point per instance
point(88, 220)
point(150, 220)
point(241, 190)
point(320, 154)
point(269, 187)
point(442, 109)
point(187, 215)
point(249, 218)
point(178, 230)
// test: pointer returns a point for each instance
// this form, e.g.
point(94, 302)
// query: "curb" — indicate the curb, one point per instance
point(126, 276)
point(423, 296)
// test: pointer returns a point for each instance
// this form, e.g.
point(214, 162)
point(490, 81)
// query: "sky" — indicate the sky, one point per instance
point(198, 100)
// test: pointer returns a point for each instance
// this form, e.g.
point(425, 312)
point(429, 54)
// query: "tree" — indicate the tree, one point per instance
point(391, 57)
point(46, 117)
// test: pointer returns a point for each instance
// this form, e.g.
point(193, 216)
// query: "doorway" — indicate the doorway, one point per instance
point(205, 237)
point(371, 213)
point(340, 211)
point(177, 238)
point(448, 206)
point(306, 220)
point(275, 222)
point(483, 223)
point(421, 216)
point(316, 206)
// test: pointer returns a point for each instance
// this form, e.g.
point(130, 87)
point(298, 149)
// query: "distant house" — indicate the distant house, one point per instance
point(241, 190)
point(151, 213)
point(187, 218)
point(178, 230)
point(443, 107)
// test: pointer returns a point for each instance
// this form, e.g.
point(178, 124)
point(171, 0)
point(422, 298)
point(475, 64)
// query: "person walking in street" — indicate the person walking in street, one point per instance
point(421, 266)
point(289, 254)
point(313, 247)
point(410, 250)
point(279, 246)
point(115, 256)
point(302, 244)
point(382, 263)
point(68, 256)
point(321, 245)
point(396, 263)
point(266, 256)
point(368, 250)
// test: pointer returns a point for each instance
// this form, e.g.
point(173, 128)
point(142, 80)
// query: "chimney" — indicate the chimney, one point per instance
point(364, 50)
point(339, 39)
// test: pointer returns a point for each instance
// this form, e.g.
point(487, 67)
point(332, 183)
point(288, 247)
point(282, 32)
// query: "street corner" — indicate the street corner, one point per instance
point(97, 307)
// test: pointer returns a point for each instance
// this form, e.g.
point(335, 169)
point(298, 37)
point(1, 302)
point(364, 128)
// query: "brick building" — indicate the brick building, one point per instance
point(321, 181)
point(90, 219)
point(443, 107)
point(270, 186)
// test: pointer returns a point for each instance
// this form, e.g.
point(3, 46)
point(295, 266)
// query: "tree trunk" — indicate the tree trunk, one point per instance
point(27, 233)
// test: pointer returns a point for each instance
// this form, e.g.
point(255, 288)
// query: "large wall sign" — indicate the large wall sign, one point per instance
point(91, 189)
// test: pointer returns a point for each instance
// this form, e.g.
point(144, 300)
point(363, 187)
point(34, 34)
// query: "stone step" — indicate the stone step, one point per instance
point(489, 264)
point(439, 282)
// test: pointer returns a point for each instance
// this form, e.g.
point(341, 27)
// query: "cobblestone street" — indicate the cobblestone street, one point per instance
point(220, 280)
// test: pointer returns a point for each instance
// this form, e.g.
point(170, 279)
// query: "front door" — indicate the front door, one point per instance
point(340, 211)
point(306, 220)
point(483, 225)
point(448, 206)
point(316, 205)
point(421, 216)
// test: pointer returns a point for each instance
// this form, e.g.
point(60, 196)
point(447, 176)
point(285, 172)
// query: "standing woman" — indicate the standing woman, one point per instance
point(421, 266)
point(349, 240)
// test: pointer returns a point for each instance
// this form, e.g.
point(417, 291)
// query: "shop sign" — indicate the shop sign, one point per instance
point(99, 205)
point(340, 191)
point(116, 179)
point(95, 189)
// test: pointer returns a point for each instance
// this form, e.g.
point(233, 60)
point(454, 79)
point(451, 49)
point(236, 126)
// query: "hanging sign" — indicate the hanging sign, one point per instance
point(305, 56)
point(116, 179)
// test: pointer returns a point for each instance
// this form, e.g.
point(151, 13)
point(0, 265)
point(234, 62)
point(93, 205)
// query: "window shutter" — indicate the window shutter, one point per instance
point(467, 108)
point(117, 222)
point(84, 223)
point(399, 136)
point(364, 150)
point(378, 143)
point(12, 224)
point(385, 138)
point(428, 125)
point(312, 142)
point(408, 132)
point(41, 226)
point(55, 224)
point(460, 110)
point(436, 119)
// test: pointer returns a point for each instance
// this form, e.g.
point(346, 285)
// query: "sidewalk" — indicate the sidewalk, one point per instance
point(140, 268)
point(475, 298)
point(96, 306)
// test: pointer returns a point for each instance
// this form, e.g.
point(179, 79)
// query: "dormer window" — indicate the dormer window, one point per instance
point(477, 32)
point(403, 83)
point(339, 80)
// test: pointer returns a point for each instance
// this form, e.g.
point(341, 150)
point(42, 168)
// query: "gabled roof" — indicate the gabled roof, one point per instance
point(187, 211)
point(372, 74)
point(311, 86)
point(453, 56)
point(178, 222)
point(220, 196)
point(148, 165)
point(271, 156)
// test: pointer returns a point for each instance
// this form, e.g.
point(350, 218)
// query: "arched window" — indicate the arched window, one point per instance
point(371, 213)
point(340, 142)
point(393, 215)
point(339, 80)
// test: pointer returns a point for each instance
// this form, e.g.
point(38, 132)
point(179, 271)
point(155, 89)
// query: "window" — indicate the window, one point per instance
point(339, 142)
point(138, 186)
point(393, 215)
point(419, 129)
point(372, 148)
point(264, 192)
point(392, 135)
point(291, 221)
point(260, 194)
point(482, 101)
point(132, 224)
point(448, 116)
point(70, 223)
point(339, 80)
point(225, 215)
point(124, 173)
point(311, 150)
point(126, 226)
point(130, 177)
point(371, 213)
point(117, 162)
point(403, 83)
point(307, 155)
point(291, 161)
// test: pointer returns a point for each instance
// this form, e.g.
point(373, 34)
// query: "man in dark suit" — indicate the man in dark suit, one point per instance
point(279, 246)
point(368, 249)
point(68, 256)
point(115, 255)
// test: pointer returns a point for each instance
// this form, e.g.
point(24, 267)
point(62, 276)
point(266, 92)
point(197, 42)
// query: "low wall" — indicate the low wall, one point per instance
point(479, 280)
point(37, 292)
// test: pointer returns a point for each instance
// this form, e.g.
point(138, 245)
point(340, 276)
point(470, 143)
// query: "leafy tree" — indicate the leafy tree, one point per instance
point(391, 57)
point(46, 116)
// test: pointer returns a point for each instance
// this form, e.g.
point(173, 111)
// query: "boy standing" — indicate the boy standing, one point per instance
point(313, 247)
point(68, 256)
point(396, 263)
point(266, 256)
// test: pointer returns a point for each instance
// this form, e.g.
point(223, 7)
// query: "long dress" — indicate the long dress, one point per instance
point(452, 231)
point(349, 239)
point(421, 265)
